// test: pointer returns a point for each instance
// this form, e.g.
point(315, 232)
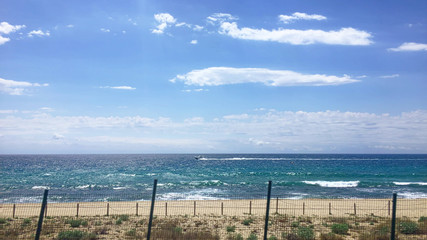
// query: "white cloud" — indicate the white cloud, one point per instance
point(70, 26)
point(221, 17)
point(390, 76)
point(120, 87)
point(6, 28)
point(345, 36)
point(4, 40)
point(215, 76)
point(197, 28)
point(12, 87)
point(193, 42)
point(106, 30)
point(300, 16)
point(262, 131)
point(164, 20)
point(410, 47)
point(38, 33)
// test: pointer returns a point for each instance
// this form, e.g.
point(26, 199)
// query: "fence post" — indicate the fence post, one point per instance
point(136, 209)
point(303, 208)
point(78, 205)
point(267, 210)
point(222, 208)
point(153, 199)
point(389, 207)
point(166, 208)
point(14, 208)
point(330, 209)
point(108, 209)
point(194, 208)
point(393, 217)
point(277, 205)
point(42, 211)
point(355, 209)
point(250, 207)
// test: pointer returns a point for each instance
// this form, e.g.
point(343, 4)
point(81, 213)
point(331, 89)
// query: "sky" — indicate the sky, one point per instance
point(190, 76)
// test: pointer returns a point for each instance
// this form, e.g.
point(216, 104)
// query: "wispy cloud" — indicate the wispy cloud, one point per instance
point(38, 33)
point(6, 28)
point(215, 76)
point(106, 30)
point(390, 76)
point(220, 17)
point(300, 16)
point(344, 36)
point(410, 47)
point(263, 131)
point(120, 87)
point(194, 42)
point(164, 20)
point(12, 87)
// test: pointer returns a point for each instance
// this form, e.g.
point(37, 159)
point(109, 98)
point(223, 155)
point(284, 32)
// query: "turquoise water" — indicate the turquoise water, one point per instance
point(215, 176)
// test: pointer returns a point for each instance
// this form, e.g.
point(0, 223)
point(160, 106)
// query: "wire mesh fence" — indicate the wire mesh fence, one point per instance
point(243, 217)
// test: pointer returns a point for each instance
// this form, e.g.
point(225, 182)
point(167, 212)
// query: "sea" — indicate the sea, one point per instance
point(114, 177)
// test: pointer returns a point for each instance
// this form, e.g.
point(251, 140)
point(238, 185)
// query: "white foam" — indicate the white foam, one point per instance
point(40, 187)
point(410, 183)
point(203, 194)
point(119, 188)
point(335, 184)
point(412, 195)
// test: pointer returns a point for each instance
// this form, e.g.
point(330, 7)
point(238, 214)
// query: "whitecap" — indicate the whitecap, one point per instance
point(335, 184)
point(412, 195)
point(410, 183)
point(40, 187)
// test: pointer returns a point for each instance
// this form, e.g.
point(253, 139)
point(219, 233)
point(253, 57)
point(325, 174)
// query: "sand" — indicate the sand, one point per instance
point(309, 207)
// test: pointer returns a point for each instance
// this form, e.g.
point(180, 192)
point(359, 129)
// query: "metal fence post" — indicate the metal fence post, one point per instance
point(393, 218)
point(153, 199)
point(267, 210)
point(42, 211)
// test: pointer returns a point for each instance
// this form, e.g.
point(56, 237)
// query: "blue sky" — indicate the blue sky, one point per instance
point(213, 76)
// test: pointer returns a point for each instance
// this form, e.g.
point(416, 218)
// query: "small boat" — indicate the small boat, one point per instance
point(198, 157)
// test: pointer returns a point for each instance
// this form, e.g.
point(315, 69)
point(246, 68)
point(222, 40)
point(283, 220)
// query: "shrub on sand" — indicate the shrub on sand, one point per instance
point(340, 228)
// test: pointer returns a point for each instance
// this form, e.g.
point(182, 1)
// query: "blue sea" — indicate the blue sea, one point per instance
point(213, 176)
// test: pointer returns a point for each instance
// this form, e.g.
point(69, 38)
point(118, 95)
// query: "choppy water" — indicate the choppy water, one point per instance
point(215, 176)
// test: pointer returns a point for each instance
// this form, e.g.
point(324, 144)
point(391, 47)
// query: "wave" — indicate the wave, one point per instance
point(412, 195)
point(410, 183)
point(334, 184)
point(203, 194)
point(40, 187)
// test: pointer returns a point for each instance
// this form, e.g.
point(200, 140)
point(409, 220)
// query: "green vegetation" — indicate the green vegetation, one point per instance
point(235, 237)
point(408, 227)
point(305, 233)
point(252, 237)
point(273, 238)
point(295, 224)
point(75, 223)
point(26, 222)
point(3, 220)
point(76, 235)
point(339, 228)
point(231, 228)
point(247, 222)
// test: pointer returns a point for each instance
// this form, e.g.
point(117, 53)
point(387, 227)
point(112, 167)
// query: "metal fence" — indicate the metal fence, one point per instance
point(245, 217)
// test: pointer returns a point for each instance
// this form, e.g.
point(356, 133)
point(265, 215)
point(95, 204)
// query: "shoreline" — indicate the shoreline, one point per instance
point(411, 208)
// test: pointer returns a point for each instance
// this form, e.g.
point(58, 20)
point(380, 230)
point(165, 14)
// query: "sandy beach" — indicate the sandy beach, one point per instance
point(308, 207)
point(213, 219)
